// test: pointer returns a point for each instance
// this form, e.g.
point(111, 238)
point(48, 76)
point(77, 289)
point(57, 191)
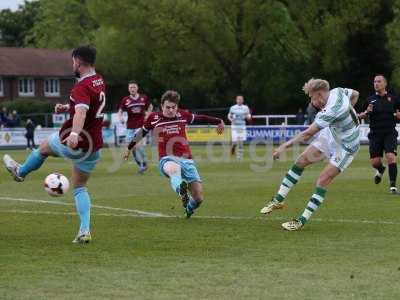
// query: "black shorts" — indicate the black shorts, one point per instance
point(379, 142)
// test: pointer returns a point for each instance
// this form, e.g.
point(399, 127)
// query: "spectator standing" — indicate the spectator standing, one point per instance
point(300, 117)
point(30, 134)
point(311, 113)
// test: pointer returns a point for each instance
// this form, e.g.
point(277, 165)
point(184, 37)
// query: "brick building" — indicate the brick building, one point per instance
point(29, 73)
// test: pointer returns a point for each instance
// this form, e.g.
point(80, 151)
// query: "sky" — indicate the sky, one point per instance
point(11, 4)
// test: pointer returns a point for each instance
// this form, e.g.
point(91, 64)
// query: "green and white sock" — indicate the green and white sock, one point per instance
point(316, 200)
point(290, 179)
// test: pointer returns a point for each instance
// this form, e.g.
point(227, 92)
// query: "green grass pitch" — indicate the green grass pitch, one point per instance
point(349, 250)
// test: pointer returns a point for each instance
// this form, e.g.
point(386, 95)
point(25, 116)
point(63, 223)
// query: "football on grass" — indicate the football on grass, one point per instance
point(56, 184)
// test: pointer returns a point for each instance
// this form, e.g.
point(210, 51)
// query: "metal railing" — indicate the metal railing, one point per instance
point(276, 118)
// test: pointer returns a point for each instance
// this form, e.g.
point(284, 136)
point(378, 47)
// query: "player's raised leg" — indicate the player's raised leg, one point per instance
point(33, 162)
point(317, 198)
point(310, 155)
point(173, 170)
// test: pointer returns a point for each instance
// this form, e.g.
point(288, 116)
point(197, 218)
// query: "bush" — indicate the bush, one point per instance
point(29, 106)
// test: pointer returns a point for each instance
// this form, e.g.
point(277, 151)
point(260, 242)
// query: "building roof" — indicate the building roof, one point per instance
point(35, 62)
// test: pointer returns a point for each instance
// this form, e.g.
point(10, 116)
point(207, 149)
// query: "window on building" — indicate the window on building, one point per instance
point(1, 87)
point(26, 87)
point(52, 87)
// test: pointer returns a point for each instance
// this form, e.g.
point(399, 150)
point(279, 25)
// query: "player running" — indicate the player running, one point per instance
point(238, 114)
point(338, 140)
point(176, 163)
point(79, 139)
point(138, 107)
point(383, 110)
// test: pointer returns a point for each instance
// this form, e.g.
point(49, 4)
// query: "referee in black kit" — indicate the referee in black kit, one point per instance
point(383, 109)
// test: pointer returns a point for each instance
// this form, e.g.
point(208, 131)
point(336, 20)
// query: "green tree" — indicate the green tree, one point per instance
point(14, 26)
point(208, 50)
point(347, 38)
point(393, 33)
point(62, 24)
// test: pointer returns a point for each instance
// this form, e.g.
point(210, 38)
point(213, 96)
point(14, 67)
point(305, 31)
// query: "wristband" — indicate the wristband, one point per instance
point(74, 133)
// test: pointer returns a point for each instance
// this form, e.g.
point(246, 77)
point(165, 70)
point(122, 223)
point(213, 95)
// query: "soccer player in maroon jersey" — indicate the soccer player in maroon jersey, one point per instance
point(176, 162)
point(138, 107)
point(79, 139)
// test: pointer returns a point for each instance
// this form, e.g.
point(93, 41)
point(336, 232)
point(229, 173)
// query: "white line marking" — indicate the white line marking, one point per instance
point(44, 212)
point(159, 215)
point(135, 211)
point(314, 219)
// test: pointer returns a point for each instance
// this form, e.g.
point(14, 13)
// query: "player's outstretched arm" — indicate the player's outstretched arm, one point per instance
point(210, 120)
point(60, 108)
point(207, 119)
point(354, 97)
point(141, 133)
point(301, 137)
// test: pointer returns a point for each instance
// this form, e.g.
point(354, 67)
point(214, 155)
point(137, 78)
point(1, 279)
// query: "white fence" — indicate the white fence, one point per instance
point(282, 119)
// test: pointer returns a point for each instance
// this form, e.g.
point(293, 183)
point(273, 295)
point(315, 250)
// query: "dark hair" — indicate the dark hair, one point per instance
point(133, 82)
point(171, 96)
point(381, 75)
point(87, 54)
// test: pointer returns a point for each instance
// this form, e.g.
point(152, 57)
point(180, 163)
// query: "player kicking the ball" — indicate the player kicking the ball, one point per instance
point(79, 139)
point(176, 163)
point(338, 140)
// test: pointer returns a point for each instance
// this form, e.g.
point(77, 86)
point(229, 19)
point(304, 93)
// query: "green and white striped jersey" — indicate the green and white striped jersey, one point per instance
point(339, 115)
point(238, 114)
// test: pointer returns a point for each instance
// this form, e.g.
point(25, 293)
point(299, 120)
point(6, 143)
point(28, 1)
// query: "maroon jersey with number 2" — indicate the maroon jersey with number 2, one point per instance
point(88, 92)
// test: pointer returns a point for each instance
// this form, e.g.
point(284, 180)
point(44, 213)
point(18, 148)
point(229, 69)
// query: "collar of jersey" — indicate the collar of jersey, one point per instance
point(133, 98)
point(92, 73)
point(376, 93)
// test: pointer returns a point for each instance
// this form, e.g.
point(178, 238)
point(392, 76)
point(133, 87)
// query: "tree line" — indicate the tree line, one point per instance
point(211, 50)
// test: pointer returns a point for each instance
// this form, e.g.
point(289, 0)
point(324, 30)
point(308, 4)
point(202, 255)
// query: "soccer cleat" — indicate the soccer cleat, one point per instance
point(184, 194)
point(272, 205)
point(189, 212)
point(12, 166)
point(142, 170)
point(378, 176)
point(393, 190)
point(292, 225)
point(82, 238)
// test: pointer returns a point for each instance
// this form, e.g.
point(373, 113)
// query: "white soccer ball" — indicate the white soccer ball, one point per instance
point(56, 184)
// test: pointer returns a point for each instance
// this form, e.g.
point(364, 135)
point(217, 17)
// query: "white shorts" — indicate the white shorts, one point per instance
point(337, 156)
point(239, 134)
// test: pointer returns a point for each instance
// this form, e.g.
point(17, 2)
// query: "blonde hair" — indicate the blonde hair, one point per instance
point(314, 85)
